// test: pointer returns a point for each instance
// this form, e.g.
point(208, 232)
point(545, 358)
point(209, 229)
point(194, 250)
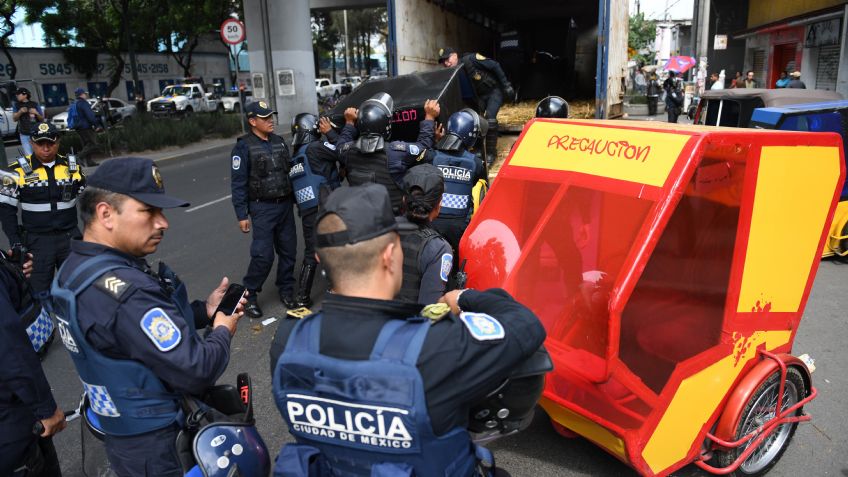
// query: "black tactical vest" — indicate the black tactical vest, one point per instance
point(367, 168)
point(483, 81)
point(27, 306)
point(269, 174)
point(413, 239)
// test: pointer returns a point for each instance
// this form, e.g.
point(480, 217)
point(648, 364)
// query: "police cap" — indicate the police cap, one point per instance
point(444, 53)
point(366, 211)
point(258, 109)
point(45, 132)
point(137, 177)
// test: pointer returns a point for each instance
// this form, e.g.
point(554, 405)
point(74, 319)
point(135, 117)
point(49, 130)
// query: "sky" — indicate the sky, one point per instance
point(656, 9)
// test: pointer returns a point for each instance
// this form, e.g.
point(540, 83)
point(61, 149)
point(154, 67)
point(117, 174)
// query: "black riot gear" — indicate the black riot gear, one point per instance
point(375, 116)
point(463, 129)
point(552, 107)
point(304, 129)
point(269, 178)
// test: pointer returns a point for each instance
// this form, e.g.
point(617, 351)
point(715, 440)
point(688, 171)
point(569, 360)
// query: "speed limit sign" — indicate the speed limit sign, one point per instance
point(232, 31)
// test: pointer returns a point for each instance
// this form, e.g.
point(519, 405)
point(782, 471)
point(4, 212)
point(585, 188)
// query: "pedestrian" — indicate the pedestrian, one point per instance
point(314, 173)
point(263, 201)
point(640, 81)
point(45, 186)
point(372, 158)
point(490, 84)
point(25, 395)
point(408, 375)
point(716, 82)
point(427, 256)
point(462, 170)
point(653, 94)
point(673, 97)
point(783, 81)
point(737, 81)
point(28, 114)
point(796, 82)
point(86, 125)
point(131, 332)
point(750, 82)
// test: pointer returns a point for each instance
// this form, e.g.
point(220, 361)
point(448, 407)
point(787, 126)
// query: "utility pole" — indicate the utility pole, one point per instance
point(347, 50)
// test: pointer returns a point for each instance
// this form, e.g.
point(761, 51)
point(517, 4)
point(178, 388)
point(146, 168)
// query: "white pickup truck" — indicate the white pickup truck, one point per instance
point(324, 88)
point(184, 99)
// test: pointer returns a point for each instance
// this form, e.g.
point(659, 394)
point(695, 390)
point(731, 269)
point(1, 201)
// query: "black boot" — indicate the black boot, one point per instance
point(492, 142)
point(307, 275)
point(251, 309)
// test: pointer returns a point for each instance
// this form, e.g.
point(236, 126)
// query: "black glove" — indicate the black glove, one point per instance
point(509, 92)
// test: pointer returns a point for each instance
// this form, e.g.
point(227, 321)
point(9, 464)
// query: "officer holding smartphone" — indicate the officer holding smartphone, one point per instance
point(130, 330)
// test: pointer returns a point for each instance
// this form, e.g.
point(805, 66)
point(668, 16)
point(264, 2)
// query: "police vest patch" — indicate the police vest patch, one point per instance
point(113, 286)
point(236, 163)
point(482, 326)
point(332, 147)
point(157, 325)
point(413, 149)
point(447, 264)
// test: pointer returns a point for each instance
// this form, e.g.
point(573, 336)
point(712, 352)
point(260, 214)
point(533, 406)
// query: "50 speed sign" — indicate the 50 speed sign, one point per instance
point(232, 31)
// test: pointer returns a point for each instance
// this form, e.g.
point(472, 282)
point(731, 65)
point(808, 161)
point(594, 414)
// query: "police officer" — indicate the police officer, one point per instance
point(263, 201)
point(130, 330)
point(45, 186)
point(552, 107)
point(427, 256)
point(463, 171)
point(314, 172)
point(490, 84)
point(447, 362)
point(370, 158)
point(25, 396)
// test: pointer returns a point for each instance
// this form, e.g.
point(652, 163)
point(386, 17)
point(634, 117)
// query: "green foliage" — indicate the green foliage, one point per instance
point(143, 133)
point(641, 37)
point(183, 24)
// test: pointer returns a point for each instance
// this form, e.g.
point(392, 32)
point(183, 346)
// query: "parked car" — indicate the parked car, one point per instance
point(324, 88)
point(115, 109)
point(184, 99)
point(232, 103)
point(734, 107)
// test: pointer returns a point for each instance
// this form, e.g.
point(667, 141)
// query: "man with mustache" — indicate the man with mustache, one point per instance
point(131, 332)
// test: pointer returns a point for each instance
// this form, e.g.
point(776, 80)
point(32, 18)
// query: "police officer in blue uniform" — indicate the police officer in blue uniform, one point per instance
point(489, 83)
point(25, 396)
point(314, 173)
point(393, 387)
point(462, 170)
point(427, 256)
point(263, 200)
point(130, 330)
point(371, 158)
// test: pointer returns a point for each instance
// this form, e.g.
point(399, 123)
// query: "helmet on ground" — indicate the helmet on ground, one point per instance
point(552, 107)
point(375, 116)
point(463, 128)
point(222, 449)
point(304, 129)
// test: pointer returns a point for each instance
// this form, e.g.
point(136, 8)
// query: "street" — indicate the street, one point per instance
point(204, 243)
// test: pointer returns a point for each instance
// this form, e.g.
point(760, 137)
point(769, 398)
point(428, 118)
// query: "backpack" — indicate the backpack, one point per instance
point(73, 116)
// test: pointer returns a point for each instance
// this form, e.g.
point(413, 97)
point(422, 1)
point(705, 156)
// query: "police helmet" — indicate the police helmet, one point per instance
point(304, 129)
point(552, 107)
point(375, 116)
point(463, 128)
point(223, 449)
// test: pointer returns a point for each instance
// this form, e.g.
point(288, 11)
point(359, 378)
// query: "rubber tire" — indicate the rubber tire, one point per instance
point(726, 458)
point(236, 108)
point(188, 112)
point(842, 246)
point(220, 108)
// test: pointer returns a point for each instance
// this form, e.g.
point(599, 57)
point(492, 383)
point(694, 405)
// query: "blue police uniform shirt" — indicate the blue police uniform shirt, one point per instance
point(25, 395)
point(403, 155)
point(119, 321)
point(240, 174)
point(435, 262)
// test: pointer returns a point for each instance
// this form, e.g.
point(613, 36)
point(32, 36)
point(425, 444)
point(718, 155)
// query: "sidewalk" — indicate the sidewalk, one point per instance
point(682, 119)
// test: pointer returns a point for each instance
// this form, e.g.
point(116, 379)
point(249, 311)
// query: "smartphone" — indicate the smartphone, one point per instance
point(232, 297)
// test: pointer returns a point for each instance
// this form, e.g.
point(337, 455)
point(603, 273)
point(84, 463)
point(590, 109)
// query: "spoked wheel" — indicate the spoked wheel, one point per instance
point(759, 410)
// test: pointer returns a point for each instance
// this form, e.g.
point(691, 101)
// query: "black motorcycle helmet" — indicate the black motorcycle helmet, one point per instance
point(552, 107)
point(304, 129)
point(463, 129)
point(375, 116)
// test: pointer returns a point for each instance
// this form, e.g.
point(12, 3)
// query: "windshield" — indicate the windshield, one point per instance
point(177, 91)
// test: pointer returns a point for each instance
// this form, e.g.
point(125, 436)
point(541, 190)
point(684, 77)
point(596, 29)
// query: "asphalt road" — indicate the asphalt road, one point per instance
point(204, 243)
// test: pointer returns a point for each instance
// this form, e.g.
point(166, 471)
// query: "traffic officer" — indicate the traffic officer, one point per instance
point(130, 330)
point(463, 171)
point(45, 188)
point(489, 83)
point(427, 256)
point(370, 158)
point(25, 396)
point(552, 107)
point(466, 348)
point(314, 173)
point(263, 200)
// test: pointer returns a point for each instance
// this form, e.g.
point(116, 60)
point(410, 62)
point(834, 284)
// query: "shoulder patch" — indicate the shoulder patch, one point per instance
point(413, 149)
point(447, 265)
point(435, 312)
point(236, 163)
point(482, 326)
point(399, 146)
point(479, 57)
point(157, 325)
point(329, 146)
point(113, 286)
point(346, 146)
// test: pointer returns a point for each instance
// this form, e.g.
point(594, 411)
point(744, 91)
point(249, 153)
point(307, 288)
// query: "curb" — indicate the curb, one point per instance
point(180, 155)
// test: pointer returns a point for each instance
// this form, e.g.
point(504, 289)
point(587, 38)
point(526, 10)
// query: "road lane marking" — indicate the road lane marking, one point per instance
point(209, 203)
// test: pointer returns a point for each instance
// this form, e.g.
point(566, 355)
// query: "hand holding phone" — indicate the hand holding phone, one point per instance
point(231, 299)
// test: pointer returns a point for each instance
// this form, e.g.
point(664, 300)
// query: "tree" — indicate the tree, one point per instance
point(185, 23)
point(325, 37)
point(641, 39)
point(8, 9)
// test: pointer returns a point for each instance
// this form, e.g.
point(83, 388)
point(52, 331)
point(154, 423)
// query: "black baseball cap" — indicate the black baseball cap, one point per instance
point(45, 132)
point(22, 91)
point(425, 176)
point(444, 53)
point(258, 109)
point(137, 177)
point(366, 211)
